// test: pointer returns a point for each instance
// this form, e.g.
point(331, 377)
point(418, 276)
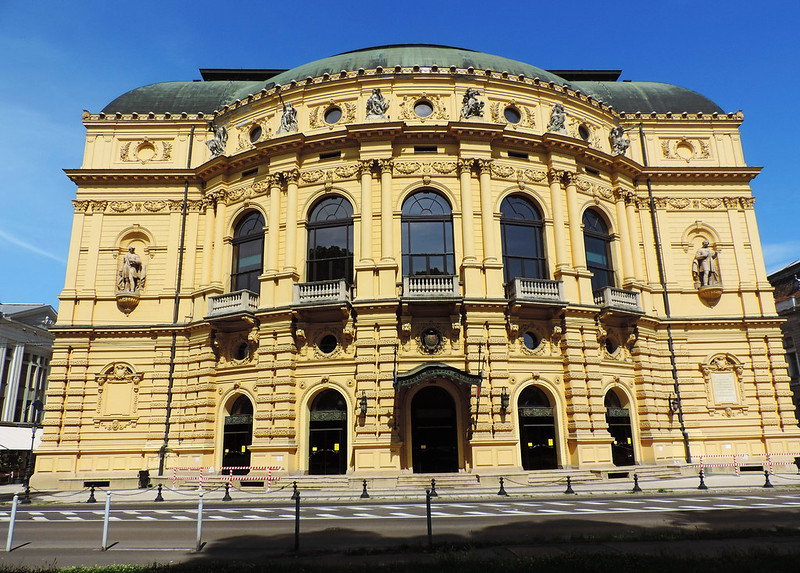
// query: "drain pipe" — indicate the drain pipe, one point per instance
point(663, 280)
point(175, 310)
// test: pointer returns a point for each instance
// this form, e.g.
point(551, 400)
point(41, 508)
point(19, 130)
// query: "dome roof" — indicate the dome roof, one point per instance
point(194, 97)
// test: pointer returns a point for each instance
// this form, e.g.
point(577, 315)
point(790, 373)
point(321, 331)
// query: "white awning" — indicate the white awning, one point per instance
point(12, 438)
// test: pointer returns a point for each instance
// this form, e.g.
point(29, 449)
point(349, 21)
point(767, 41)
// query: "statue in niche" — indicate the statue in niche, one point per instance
point(217, 144)
point(619, 143)
point(705, 268)
point(471, 106)
point(377, 105)
point(558, 120)
point(131, 277)
point(288, 119)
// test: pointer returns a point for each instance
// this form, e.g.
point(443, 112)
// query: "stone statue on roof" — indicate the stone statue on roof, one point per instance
point(558, 120)
point(619, 143)
point(377, 105)
point(217, 143)
point(288, 119)
point(471, 106)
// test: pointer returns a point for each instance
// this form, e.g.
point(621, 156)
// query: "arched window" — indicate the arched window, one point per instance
point(248, 252)
point(330, 241)
point(427, 234)
point(523, 244)
point(597, 242)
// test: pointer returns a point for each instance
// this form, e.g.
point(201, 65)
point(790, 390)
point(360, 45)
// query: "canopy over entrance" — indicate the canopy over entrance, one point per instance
point(426, 372)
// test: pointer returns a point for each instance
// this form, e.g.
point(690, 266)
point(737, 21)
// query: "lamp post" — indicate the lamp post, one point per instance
point(36, 410)
point(362, 403)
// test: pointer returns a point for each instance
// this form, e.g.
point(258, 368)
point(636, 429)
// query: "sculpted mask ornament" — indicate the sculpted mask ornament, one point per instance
point(220, 139)
point(377, 105)
point(471, 107)
point(619, 143)
point(558, 120)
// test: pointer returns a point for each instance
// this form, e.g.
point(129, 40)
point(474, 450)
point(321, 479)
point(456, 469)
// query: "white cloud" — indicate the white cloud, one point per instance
point(32, 248)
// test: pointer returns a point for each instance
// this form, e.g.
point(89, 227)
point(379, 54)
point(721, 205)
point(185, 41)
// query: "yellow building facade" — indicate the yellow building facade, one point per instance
point(412, 260)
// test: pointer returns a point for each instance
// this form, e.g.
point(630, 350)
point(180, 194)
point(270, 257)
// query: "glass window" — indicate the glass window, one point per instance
point(248, 253)
point(523, 243)
point(597, 242)
point(427, 235)
point(330, 241)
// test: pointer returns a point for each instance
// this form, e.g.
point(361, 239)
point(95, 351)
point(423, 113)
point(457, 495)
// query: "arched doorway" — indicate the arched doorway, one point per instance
point(618, 418)
point(238, 435)
point(434, 433)
point(327, 439)
point(537, 430)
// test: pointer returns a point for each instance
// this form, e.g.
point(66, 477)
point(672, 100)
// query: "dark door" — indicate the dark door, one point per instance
point(537, 431)
point(618, 419)
point(434, 435)
point(327, 438)
point(238, 435)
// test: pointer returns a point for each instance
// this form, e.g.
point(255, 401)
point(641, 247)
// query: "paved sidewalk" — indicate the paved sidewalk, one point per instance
point(281, 491)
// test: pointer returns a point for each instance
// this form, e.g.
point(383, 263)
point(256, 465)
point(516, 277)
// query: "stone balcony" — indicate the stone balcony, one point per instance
point(321, 292)
point(536, 291)
point(618, 300)
point(431, 287)
point(232, 304)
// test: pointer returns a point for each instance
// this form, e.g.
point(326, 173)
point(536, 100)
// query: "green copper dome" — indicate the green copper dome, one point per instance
point(207, 96)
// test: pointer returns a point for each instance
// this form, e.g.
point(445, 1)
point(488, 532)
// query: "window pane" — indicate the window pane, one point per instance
point(427, 237)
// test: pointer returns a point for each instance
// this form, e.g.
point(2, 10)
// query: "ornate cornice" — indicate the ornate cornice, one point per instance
point(703, 203)
point(86, 177)
point(732, 174)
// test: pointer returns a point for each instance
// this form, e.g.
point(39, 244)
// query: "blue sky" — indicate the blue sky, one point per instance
point(60, 58)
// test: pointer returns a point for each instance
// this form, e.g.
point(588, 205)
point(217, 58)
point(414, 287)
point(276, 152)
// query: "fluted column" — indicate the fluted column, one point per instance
point(559, 220)
point(271, 265)
point(487, 213)
point(624, 236)
point(290, 256)
point(366, 211)
point(467, 209)
point(387, 236)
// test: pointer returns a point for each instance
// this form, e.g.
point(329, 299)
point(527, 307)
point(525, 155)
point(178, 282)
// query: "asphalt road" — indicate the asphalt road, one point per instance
point(67, 535)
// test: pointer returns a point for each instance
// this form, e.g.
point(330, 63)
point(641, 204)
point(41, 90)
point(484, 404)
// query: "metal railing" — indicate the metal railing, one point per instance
point(431, 286)
point(536, 290)
point(618, 299)
point(321, 292)
point(232, 302)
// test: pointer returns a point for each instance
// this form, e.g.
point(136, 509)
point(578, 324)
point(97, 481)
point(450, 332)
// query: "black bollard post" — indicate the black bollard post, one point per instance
point(702, 481)
point(364, 494)
point(227, 496)
point(433, 488)
point(91, 496)
point(428, 495)
point(502, 488)
point(295, 494)
point(569, 489)
point(159, 497)
point(636, 488)
point(297, 521)
point(766, 479)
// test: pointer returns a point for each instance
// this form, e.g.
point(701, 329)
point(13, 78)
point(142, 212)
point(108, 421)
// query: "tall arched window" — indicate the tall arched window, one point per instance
point(523, 244)
point(330, 241)
point(597, 242)
point(248, 252)
point(427, 234)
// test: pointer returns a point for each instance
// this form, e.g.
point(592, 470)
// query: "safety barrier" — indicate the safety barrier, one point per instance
point(736, 461)
point(200, 474)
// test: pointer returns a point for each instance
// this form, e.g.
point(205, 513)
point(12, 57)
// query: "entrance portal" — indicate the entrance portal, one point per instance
point(618, 418)
point(434, 434)
point(327, 438)
point(537, 430)
point(238, 435)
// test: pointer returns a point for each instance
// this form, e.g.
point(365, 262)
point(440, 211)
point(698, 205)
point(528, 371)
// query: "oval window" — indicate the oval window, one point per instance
point(255, 134)
point(332, 115)
point(423, 108)
point(530, 340)
point(512, 115)
point(584, 132)
point(327, 344)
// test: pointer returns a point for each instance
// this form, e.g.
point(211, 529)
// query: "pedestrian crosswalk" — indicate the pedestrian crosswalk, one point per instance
point(498, 509)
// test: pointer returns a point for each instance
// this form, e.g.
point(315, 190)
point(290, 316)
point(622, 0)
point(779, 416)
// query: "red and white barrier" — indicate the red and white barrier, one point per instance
point(738, 460)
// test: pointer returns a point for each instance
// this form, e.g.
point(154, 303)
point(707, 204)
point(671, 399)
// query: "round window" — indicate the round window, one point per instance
point(255, 134)
point(423, 108)
point(583, 131)
point(530, 340)
point(333, 114)
point(512, 115)
point(611, 346)
point(242, 351)
point(328, 344)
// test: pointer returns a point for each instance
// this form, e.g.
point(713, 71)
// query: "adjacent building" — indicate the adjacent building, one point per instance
point(413, 259)
point(26, 347)
point(787, 303)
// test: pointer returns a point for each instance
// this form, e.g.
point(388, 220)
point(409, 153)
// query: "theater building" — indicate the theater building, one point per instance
point(412, 259)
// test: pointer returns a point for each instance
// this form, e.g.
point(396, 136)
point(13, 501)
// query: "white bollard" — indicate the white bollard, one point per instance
point(198, 545)
point(11, 521)
point(105, 521)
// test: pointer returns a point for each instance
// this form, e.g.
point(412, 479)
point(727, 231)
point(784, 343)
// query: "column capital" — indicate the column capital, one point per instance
point(385, 165)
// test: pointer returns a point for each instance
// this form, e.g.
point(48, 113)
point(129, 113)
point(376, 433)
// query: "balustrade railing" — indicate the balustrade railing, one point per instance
point(536, 290)
point(321, 292)
point(232, 302)
point(431, 286)
point(618, 299)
